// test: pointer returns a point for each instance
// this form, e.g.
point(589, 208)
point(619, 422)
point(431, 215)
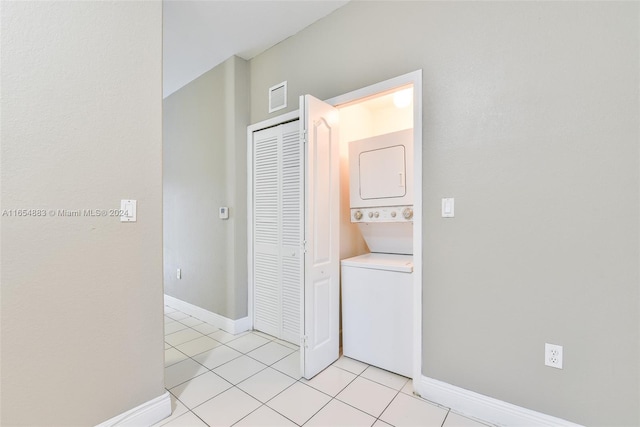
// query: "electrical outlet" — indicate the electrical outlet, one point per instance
point(179, 274)
point(553, 355)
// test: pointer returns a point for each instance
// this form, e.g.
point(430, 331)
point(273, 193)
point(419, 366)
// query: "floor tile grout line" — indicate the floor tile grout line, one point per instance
point(445, 418)
point(263, 404)
point(333, 364)
point(398, 391)
point(229, 361)
point(298, 380)
point(341, 390)
point(283, 357)
point(247, 353)
point(192, 378)
point(333, 397)
point(216, 367)
point(387, 407)
point(202, 403)
point(206, 335)
point(211, 370)
point(354, 407)
point(196, 415)
point(315, 413)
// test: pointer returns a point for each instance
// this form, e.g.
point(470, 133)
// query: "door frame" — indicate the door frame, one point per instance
point(414, 78)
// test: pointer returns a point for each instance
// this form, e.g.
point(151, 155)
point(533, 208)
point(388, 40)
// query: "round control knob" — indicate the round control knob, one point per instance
point(393, 214)
point(376, 214)
point(370, 214)
point(357, 215)
point(407, 213)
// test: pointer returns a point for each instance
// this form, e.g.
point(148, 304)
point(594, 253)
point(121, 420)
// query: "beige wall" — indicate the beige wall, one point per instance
point(205, 168)
point(82, 334)
point(531, 121)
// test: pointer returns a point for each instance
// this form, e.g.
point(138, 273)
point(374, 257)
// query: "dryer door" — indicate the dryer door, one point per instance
point(381, 170)
point(383, 173)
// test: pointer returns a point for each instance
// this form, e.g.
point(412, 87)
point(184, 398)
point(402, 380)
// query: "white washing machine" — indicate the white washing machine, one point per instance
point(377, 288)
point(377, 312)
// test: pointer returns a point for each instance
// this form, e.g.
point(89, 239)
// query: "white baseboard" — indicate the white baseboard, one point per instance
point(146, 414)
point(484, 408)
point(228, 325)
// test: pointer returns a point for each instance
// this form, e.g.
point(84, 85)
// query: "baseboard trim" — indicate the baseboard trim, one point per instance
point(484, 408)
point(146, 414)
point(226, 324)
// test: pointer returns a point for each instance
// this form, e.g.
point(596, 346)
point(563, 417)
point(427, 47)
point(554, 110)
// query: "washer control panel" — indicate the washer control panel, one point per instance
point(382, 214)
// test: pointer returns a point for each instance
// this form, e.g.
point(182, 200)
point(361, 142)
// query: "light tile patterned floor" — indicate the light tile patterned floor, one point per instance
point(252, 379)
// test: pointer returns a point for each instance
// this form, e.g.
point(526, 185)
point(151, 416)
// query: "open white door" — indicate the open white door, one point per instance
point(321, 299)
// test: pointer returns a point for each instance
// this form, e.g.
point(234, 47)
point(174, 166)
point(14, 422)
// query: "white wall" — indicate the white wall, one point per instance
point(531, 121)
point(82, 328)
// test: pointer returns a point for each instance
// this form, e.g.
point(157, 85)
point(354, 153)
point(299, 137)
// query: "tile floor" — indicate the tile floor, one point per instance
point(252, 379)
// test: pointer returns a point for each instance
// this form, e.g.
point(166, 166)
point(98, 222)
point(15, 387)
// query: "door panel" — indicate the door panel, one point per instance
point(383, 173)
point(266, 231)
point(278, 231)
point(292, 203)
point(322, 303)
point(322, 197)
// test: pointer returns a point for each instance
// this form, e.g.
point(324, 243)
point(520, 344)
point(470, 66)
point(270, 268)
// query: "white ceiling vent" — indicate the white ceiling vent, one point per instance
point(278, 97)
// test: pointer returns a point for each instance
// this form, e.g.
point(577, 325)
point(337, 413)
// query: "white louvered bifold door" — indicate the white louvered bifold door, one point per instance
point(292, 226)
point(277, 231)
point(266, 231)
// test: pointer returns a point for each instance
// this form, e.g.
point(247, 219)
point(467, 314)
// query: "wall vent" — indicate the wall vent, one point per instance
point(278, 97)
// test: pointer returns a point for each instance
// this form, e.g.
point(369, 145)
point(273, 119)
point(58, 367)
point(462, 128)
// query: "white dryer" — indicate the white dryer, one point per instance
point(381, 170)
point(381, 190)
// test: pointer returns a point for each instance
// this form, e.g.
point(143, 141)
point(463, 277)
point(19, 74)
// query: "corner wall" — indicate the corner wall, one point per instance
point(80, 128)
point(531, 121)
point(205, 168)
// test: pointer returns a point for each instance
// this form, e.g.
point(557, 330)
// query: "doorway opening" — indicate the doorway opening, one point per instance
point(383, 108)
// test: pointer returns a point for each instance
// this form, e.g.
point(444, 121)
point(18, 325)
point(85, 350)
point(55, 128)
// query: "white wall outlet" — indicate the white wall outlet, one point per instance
point(179, 274)
point(553, 355)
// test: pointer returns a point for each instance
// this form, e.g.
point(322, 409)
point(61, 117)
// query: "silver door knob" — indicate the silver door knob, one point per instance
point(407, 213)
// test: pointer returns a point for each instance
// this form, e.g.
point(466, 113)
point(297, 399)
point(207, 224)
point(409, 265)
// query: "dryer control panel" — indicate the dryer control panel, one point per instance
point(383, 214)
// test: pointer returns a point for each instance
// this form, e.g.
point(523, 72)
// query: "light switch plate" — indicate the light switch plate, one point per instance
point(448, 208)
point(224, 212)
point(128, 210)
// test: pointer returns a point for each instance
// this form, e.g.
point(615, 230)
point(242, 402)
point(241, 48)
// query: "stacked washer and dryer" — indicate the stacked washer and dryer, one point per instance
point(377, 288)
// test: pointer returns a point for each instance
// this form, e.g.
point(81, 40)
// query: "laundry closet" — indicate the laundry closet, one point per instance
point(377, 285)
point(332, 220)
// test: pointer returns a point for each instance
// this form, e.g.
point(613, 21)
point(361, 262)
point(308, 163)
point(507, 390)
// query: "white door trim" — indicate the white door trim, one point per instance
point(414, 78)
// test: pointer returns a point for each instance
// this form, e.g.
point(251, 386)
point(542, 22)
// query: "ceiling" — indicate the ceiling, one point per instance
point(198, 35)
